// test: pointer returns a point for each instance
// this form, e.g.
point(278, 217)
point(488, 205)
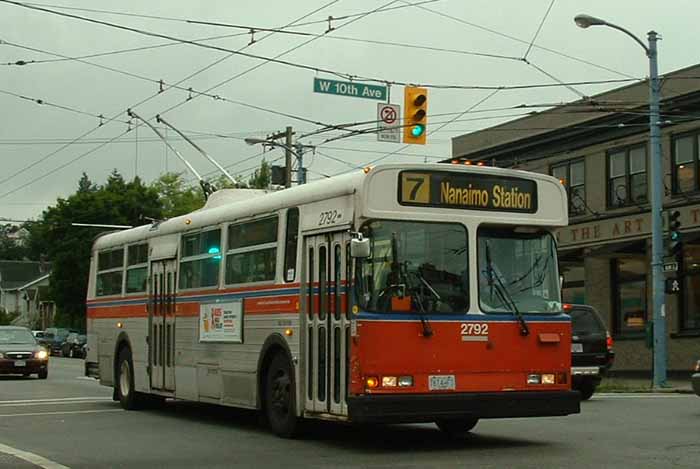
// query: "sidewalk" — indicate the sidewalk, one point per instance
point(618, 384)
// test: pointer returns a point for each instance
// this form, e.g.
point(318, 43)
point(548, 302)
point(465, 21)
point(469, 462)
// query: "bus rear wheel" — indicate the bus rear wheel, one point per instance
point(456, 427)
point(280, 408)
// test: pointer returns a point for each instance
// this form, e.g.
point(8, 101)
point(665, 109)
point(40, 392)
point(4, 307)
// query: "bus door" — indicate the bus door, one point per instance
point(161, 331)
point(326, 348)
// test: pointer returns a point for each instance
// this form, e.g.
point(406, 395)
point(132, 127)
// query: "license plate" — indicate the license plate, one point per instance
point(20, 363)
point(441, 382)
point(577, 348)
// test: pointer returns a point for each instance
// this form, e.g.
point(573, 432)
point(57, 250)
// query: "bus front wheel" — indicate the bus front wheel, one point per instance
point(457, 427)
point(280, 407)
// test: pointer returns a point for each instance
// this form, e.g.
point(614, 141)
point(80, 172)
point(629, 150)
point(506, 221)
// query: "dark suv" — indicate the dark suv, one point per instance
point(592, 352)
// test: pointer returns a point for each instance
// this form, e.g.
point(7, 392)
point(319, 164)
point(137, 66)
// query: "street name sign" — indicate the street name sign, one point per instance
point(349, 88)
point(388, 126)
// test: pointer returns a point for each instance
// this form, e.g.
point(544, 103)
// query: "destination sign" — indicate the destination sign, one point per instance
point(467, 191)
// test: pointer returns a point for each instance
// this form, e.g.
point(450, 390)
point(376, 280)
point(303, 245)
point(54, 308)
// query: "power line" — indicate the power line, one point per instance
point(517, 39)
point(539, 28)
point(51, 154)
point(62, 107)
point(316, 69)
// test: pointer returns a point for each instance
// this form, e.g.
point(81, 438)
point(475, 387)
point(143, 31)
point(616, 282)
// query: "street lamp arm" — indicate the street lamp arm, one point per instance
point(639, 41)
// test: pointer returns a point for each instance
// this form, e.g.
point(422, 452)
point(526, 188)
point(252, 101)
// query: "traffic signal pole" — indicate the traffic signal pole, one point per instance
point(657, 276)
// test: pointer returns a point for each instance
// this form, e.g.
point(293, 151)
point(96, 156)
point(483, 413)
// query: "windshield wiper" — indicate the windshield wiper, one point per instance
point(503, 293)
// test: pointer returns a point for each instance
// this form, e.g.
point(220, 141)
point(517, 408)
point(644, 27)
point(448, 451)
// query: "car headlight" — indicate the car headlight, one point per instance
point(2, 355)
point(41, 355)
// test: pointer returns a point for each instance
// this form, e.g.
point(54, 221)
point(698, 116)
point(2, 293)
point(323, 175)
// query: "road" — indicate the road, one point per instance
point(69, 421)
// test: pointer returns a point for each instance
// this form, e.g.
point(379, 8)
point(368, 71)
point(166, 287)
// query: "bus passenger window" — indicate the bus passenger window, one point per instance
point(290, 244)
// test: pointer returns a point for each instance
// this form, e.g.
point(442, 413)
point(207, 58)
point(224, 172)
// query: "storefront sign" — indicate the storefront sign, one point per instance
point(637, 226)
point(221, 322)
point(467, 191)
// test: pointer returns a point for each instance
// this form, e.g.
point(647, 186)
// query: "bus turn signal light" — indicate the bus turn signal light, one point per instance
point(371, 382)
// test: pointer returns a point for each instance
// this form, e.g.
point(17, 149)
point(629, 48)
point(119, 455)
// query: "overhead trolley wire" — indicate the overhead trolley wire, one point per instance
point(51, 154)
point(316, 69)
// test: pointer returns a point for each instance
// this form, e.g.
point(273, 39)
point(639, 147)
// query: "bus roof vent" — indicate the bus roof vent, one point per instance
point(229, 196)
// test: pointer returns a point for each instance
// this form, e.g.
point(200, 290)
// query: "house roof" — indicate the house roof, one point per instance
point(16, 274)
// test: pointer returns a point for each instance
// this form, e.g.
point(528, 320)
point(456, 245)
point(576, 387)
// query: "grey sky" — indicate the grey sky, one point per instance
point(30, 132)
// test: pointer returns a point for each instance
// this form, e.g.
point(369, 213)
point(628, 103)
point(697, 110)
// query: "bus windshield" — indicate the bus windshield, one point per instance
point(517, 270)
point(414, 267)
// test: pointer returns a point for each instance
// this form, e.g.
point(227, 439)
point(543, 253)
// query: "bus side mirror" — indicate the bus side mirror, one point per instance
point(359, 248)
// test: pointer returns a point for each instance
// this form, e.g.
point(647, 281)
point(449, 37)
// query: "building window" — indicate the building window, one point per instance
point(685, 163)
point(573, 176)
point(252, 251)
point(200, 259)
point(110, 265)
point(137, 268)
point(627, 176)
point(690, 313)
point(630, 295)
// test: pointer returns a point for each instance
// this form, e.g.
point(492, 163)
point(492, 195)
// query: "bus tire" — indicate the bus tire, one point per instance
point(457, 427)
point(280, 398)
point(124, 382)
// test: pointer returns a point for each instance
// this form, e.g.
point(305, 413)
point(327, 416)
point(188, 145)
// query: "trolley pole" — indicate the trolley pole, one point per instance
point(288, 157)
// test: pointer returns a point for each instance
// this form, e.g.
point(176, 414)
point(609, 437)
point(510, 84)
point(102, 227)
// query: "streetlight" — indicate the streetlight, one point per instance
point(298, 153)
point(658, 298)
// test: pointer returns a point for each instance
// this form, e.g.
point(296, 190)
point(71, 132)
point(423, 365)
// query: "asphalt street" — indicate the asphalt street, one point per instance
point(69, 421)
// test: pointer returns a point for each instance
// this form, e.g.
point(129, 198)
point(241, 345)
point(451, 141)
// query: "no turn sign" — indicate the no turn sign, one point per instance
point(388, 125)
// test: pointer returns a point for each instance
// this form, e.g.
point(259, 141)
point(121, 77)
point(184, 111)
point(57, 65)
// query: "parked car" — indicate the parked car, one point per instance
point(38, 334)
point(73, 345)
point(54, 338)
point(20, 353)
point(695, 378)
point(592, 353)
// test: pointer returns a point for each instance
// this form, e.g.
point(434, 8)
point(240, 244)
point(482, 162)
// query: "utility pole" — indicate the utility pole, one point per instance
point(301, 175)
point(288, 157)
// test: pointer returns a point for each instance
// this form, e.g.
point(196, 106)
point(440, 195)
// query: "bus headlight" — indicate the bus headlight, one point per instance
point(405, 381)
point(548, 378)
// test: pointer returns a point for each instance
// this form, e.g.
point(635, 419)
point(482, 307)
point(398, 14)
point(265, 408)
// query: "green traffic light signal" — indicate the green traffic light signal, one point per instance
point(417, 130)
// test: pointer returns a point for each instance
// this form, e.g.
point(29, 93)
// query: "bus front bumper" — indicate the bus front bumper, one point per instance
point(406, 408)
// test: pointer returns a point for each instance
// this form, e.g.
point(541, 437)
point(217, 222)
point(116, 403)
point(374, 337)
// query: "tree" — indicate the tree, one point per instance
point(175, 196)
point(68, 247)
point(260, 179)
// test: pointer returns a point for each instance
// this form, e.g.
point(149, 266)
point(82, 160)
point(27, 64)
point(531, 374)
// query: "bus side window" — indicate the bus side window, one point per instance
point(290, 244)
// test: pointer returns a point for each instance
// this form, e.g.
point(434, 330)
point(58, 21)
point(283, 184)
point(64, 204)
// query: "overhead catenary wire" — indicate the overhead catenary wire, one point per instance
point(317, 69)
point(539, 28)
point(51, 154)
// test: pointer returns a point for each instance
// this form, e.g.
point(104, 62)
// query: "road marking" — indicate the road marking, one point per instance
point(66, 412)
point(31, 458)
point(57, 399)
point(39, 404)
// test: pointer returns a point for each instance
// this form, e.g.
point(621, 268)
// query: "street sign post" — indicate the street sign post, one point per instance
point(349, 88)
point(389, 129)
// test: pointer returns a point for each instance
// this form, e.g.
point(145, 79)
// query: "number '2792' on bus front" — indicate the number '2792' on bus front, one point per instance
point(441, 382)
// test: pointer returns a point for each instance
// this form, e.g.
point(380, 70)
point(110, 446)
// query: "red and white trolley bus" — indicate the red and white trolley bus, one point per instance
point(402, 293)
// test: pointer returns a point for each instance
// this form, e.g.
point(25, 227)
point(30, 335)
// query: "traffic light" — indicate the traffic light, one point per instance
point(415, 114)
point(675, 244)
point(278, 175)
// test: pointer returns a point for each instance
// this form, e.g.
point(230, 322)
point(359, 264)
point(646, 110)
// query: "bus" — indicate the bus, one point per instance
point(399, 293)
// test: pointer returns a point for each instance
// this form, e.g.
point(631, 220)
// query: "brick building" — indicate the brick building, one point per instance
point(599, 148)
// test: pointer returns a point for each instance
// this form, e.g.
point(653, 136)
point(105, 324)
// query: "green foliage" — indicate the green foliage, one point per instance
point(175, 196)
point(68, 247)
point(7, 318)
point(260, 179)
